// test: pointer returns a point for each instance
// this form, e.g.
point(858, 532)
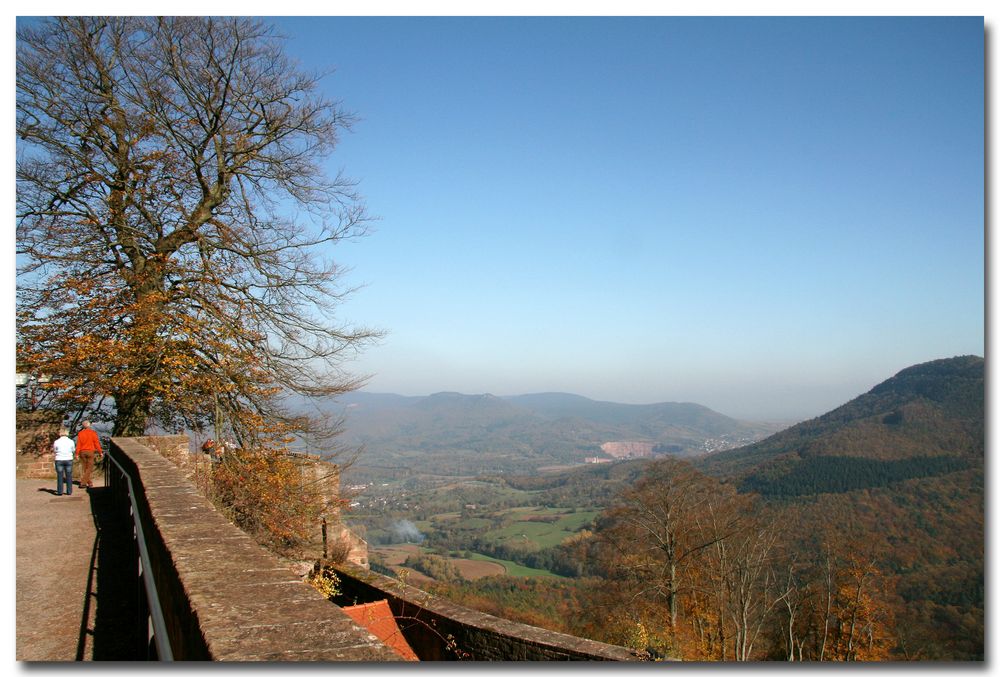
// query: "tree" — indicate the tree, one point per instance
point(702, 553)
point(795, 599)
point(736, 576)
point(173, 222)
point(835, 604)
point(862, 620)
point(265, 493)
point(751, 587)
point(654, 532)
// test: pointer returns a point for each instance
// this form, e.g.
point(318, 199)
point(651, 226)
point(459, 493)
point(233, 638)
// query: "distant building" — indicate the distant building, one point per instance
point(597, 459)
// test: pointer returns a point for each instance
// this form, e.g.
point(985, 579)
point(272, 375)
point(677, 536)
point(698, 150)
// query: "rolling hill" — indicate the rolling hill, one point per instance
point(454, 433)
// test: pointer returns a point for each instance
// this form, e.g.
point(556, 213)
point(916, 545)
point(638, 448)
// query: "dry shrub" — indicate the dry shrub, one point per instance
point(326, 581)
point(263, 493)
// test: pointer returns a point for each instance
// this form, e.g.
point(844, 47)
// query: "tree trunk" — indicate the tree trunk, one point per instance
point(672, 591)
point(829, 608)
point(132, 412)
point(791, 637)
point(134, 406)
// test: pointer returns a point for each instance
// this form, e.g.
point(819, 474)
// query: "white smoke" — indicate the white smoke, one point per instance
point(407, 531)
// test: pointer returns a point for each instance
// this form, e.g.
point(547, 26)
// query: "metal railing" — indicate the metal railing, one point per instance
point(157, 640)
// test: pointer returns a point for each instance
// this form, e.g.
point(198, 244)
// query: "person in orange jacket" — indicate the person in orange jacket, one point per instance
point(88, 444)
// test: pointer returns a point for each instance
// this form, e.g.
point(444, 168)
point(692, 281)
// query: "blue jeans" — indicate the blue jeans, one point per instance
point(64, 473)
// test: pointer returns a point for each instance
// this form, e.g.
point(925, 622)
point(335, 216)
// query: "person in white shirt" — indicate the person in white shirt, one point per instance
point(65, 450)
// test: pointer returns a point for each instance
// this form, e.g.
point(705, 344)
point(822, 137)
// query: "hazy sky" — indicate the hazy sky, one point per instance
point(765, 216)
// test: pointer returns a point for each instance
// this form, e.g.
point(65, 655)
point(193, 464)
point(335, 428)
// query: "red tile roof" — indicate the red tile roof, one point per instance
point(377, 618)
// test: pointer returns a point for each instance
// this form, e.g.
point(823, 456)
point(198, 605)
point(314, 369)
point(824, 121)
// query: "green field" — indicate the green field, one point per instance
point(524, 532)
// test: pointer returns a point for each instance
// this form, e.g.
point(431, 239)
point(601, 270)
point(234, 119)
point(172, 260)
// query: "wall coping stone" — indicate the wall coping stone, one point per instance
point(244, 601)
point(530, 640)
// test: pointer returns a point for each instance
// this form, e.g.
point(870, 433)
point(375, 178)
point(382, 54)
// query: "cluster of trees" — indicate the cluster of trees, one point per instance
point(435, 566)
point(691, 568)
point(839, 474)
point(384, 534)
point(913, 547)
point(263, 492)
point(593, 485)
point(545, 602)
point(930, 534)
point(561, 559)
point(682, 565)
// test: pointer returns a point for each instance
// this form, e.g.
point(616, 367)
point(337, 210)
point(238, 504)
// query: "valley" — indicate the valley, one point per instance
point(449, 435)
point(519, 521)
point(895, 475)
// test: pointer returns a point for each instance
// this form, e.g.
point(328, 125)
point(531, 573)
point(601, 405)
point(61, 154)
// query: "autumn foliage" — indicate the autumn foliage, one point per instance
point(693, 570)
point(263, 493)
point(174, 227)
point(174, 221)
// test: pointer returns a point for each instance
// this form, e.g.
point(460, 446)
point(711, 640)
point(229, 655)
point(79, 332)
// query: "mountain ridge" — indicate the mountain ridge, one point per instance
point(528, 431)
point(896, 475)
point(929, 409)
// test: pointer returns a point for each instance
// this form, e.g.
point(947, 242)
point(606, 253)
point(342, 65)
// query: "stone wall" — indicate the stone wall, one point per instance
point(339, 543)
point(176, 448)
point(34, 435)
point(438, 629)
point(333, 540)
point(224, 597)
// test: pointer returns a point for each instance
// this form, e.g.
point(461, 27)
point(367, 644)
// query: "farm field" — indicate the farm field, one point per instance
point(512, 531)
point(395, 555)
point(471, 569)
point(543, 527)
point(513, 568)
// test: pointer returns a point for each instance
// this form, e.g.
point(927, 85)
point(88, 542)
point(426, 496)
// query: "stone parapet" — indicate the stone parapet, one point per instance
point(224, 597)
point(176, 448)
point(41, 467)
point(438, 629)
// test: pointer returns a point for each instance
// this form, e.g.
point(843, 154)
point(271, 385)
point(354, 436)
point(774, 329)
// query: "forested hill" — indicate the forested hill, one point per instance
point(925, 420)
point(898, 473)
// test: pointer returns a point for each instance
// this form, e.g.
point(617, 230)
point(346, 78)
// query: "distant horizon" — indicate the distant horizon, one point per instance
point(777, 419)
point(764, 215)
point(562, 392)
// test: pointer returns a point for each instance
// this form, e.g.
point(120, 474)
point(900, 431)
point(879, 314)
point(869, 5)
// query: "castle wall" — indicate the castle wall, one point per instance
point(224, 597)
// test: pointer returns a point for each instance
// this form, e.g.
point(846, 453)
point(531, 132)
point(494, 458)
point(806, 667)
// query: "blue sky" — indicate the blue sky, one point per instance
point(767, 216)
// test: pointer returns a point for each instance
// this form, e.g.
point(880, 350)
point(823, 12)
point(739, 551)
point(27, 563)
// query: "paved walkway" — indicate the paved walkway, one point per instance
point(59, 559)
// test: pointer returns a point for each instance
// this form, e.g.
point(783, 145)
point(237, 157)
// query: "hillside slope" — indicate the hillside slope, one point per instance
point(925, 419)
point(899, 472)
